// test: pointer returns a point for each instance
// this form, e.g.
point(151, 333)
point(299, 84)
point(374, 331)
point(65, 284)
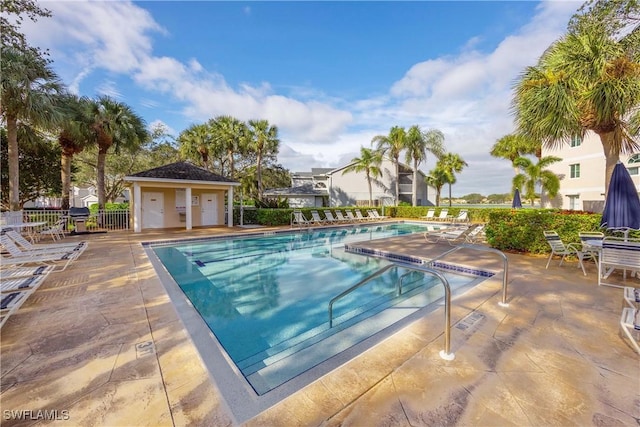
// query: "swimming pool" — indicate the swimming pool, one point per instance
point(265, 297)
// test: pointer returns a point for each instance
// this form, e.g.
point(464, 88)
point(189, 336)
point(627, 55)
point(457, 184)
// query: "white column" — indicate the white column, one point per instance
point(137, 208)
point(188, 208)
point(230, 205)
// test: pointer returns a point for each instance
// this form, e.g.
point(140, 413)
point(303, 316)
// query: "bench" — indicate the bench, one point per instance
point(618, 253)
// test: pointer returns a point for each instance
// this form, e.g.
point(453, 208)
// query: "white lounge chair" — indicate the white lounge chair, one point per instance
point(341, 217)
point(297, 218)
point(12, 273)
point(632, 296)
point(463, 216)
point(444, 215)
point(351, 216)
point(361, 217)
point(559, 248)
point(21, 283)
point(50, 247)
point(618, 253)
point(630, 324)
point(455, 235)
point(374, 214)
point(10, 302)
point(430, 214)
point(56, 231)
point(316, 219)
point(18, 257)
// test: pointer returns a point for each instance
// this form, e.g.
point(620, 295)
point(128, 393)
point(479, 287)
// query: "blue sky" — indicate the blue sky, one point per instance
point(330, 75)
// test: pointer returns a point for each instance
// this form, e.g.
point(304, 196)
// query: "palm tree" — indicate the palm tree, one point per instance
point(194, 144)
point(29, 96)
point(392, 145)
point(588, 80)
point(114, 124)
point(418, 143)
point(512, 146)
point(534, 175)
point(263, 139)
point(229, 134)
point(369, 163)
point(451, 164)
point(437, 178)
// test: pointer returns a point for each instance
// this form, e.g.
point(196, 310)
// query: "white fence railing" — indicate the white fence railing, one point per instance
point(101, 220)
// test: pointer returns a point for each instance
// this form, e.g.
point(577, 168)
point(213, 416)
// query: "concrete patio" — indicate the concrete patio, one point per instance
point(100, 344)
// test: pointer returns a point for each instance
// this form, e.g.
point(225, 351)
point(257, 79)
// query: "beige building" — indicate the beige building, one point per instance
point(581, 173)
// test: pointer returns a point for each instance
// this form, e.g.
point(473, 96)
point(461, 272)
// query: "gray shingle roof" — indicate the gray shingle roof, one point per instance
point(303, 190)
point(182, 170)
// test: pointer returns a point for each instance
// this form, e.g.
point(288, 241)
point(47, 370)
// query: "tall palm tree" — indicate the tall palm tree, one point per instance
point(437, 178)
point(229, 135)
point(588, 80)
point(73, 137)
point(451, 164)
point(417, 144)
point(29, 96)
point(369, 163)
point(534, 175)
point(512, 146)
point(194, 143)
point(263, 139)
point(392, 145)
point(114, 124)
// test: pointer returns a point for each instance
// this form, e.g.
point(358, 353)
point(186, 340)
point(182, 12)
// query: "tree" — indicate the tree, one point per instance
point(369, 163)
point(263, 139)
point(12, 13)
point(451, 164)
point(29, 95)
point(229, 134)
point(534, 175)
point(512, 146)
point(392, 145)
point(418, 143)
point(194, 143)
point(437, 178)
point(114, 124)
point(473, 198)
point(588, 80)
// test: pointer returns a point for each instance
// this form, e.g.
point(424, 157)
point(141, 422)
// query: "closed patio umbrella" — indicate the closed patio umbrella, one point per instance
point(517, 203)
point(622, 206)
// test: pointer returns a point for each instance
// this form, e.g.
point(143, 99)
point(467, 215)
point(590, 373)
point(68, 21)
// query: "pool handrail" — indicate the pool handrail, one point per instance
point(446, 353)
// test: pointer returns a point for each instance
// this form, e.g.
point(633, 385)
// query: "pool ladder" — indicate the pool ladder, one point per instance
point(446, 353)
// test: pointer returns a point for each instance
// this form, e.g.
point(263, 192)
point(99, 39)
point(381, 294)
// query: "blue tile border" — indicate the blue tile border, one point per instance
point(415, 260)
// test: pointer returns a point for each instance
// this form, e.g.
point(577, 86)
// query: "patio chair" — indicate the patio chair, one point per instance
point(374, 214)
point(361, 217)
point(454, 235)
point(60, 247)
point(591, 244)
point(56, 231)
point(315, 218)
point(630, 322)
point(463, 216)
point(298, 218)
point(444, 215)
point(618, 253)
point(559, 248)
point(351, 216)
point(18, 257)
point(10, 302)
point(632, 296)
point(22, 283)
point(329, 216)
point(341, 217)
point(430, 214)
point(12, 273)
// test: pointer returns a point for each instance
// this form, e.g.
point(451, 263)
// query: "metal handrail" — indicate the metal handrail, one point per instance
point(505, 276)
point(446, 353)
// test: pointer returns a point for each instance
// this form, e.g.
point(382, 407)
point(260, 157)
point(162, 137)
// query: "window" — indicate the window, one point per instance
point(575, 170)
point(634, 159)
point(573, 202)
point(576, 141)
point(633, 170)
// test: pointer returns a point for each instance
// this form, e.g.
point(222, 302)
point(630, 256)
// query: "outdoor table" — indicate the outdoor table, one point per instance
point(30, 228)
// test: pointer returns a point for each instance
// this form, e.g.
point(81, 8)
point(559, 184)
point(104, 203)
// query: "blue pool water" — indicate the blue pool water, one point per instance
point(265, 297)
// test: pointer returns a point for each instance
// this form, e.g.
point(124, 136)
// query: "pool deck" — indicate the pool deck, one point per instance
point(101, 344)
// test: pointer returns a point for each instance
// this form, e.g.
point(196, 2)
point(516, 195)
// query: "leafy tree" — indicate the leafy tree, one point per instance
point(39, 172)
point(498, 198)
point(369, 163)
point(588, 80)
point(512, 146)
point(417, 144)
point(437, 178)
point(114, 124)
point(195, 143)
point(392, 145)
point(473, 198)
point(229, 135)
point(451, 164)
point(12, 13)
point(29, 95)
point(273, 176)
point(534, 175)
point(263, 140)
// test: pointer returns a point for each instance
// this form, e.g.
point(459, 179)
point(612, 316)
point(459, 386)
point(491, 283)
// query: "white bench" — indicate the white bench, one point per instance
point(618, 253)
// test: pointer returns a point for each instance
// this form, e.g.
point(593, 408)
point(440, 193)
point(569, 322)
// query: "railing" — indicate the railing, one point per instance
point(102, 220)
point(446, 353)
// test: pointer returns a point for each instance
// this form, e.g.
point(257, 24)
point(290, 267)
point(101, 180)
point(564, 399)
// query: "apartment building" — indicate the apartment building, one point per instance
point(582, 173)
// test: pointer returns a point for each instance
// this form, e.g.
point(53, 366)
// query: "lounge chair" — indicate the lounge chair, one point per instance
point(21, 283)
point(630, 321)
point(454, 235)
point(430, 214)
point(591, 244)
point(297, 218)
point(374, 214)
point(329, 217)
point(444, 215)
point(618, 253)
point(351, 216)
point(361, 217)
point(56, 231)
point(12, 273)
point(10, 302)
point(559, 248)
point(315, 218)
point(341, 217)
point(632, 296)
point(61, 247)
point(18, 257)
point(463, 216)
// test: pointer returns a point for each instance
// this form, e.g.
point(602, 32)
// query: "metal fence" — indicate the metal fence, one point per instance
point(100, 220)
